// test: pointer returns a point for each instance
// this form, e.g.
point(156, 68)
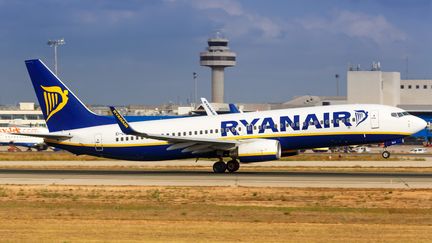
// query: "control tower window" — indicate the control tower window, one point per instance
point(218, 43)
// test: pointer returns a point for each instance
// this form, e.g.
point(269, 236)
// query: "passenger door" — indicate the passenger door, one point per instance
point(374, 118)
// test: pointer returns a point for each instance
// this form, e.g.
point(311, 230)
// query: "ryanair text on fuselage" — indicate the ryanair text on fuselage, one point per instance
point(294, 122)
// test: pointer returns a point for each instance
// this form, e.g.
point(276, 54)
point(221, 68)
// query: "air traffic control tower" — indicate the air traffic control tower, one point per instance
point(217, 57)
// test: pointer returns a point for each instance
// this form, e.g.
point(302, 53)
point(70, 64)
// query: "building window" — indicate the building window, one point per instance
point(409, 86)
point(424, 86)
point(402, 87)
point(417, 86)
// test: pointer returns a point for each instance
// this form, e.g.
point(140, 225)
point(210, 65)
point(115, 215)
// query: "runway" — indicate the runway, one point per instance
point(199, 178)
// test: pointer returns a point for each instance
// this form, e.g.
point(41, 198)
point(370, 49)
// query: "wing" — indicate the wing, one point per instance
point(188, 144)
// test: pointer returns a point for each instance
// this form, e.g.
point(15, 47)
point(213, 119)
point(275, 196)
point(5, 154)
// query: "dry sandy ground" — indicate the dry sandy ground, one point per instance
point(203, 214)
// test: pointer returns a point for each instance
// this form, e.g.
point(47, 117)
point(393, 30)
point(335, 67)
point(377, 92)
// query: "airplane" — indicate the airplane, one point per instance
point(241, 137)
point(10, 136)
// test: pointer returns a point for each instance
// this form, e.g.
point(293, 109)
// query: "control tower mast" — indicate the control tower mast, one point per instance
point(217, 57)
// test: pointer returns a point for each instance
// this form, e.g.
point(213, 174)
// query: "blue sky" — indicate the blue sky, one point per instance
point(144, 52)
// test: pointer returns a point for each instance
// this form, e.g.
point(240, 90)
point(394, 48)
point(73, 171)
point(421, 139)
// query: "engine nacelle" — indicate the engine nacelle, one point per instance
point(258, 150)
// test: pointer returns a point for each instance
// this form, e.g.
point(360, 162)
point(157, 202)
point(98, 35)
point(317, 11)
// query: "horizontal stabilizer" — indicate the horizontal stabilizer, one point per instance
point(44, 135)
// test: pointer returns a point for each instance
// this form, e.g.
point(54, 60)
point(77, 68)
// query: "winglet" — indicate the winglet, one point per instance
point(208, 108)
point(121, 121)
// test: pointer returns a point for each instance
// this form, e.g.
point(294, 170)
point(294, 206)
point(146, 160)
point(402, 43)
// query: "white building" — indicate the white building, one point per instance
point(26, 115)
point(373, 87)
point(416, 92)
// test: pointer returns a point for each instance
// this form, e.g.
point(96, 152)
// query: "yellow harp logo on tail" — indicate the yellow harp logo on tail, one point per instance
point(55, 99)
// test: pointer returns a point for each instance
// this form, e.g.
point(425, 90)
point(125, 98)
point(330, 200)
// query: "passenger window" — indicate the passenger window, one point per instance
point(117, 139)
point(196, 132)
point(216, 130)
point(190, 133)
point(239, 129)
point(132, 138)
point(205, 131)
point(127, 138)
point(184, 133)
point(211, 130)
point(233, 129)
point(121, 139)
point(201, 132)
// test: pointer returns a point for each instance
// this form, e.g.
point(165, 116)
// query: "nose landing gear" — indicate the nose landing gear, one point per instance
point(385, 154)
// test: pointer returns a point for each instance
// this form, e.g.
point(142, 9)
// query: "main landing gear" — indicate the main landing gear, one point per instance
point(230, 166)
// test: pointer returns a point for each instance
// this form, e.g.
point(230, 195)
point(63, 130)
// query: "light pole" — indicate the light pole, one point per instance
point(337, 84)
point(56, 43)
point(195, 76)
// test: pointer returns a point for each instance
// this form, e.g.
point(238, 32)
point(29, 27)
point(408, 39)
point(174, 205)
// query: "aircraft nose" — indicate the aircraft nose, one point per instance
point(418, 124)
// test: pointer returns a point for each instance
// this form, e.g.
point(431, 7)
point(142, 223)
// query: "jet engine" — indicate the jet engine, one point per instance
point(257, 150)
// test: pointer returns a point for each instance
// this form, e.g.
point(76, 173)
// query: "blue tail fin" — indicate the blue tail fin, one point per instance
point(233, 108)
point(61, 108)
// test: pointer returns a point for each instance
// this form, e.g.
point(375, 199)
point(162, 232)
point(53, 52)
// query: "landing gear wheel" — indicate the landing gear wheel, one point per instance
point(233, 165)
point(386, 154)
point(219, 167)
